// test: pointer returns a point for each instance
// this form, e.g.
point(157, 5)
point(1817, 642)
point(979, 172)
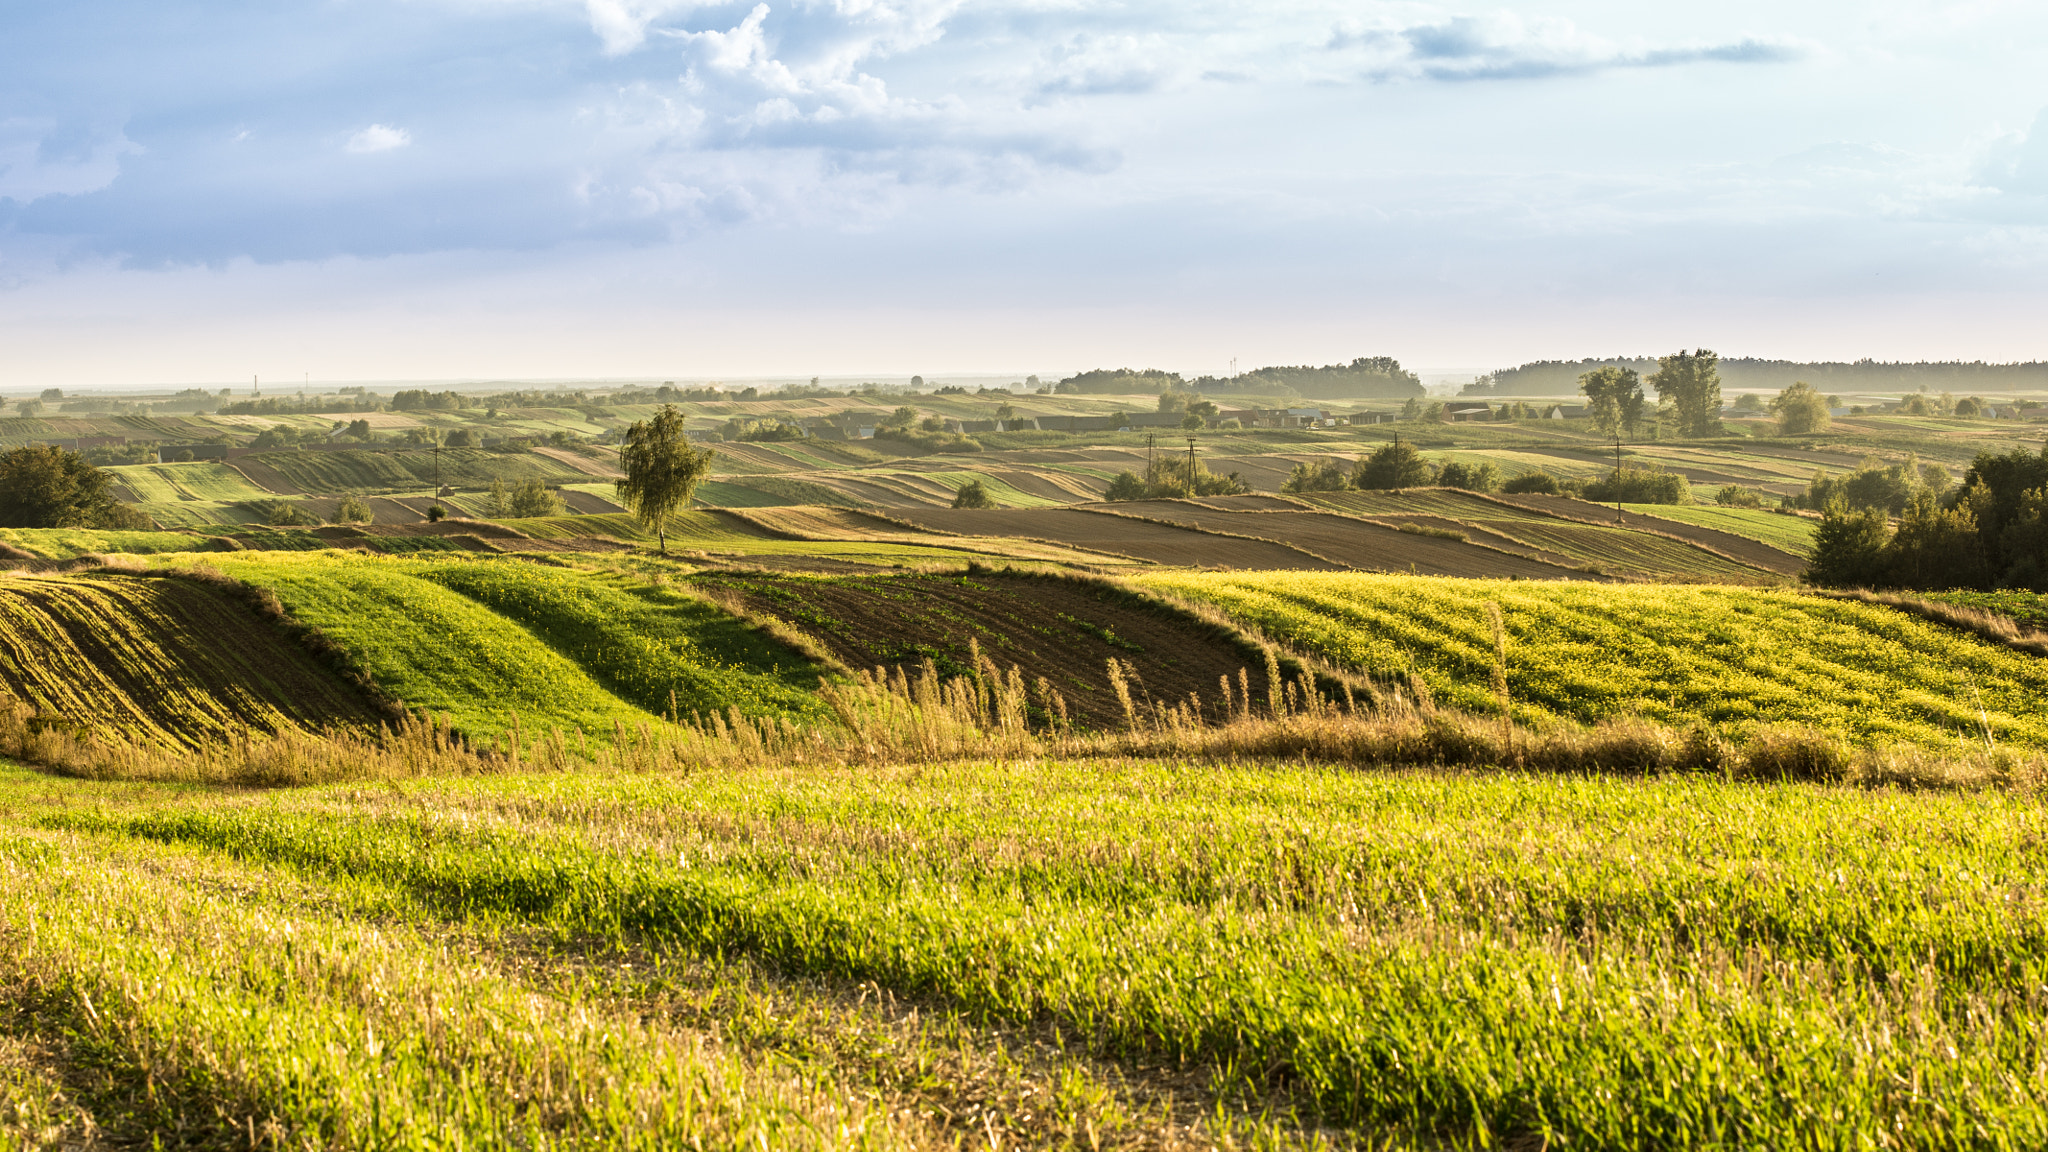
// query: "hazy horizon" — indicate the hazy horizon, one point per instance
point(658, 189)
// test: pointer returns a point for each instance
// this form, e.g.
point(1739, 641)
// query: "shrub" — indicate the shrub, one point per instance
point(354, 511)
point(1395, 465)
point(973, 494)
point(1736, 496)
point(1323, 476)
point(1532, 482)
point(1481, 477)
point(436, 513)
point(1640, 486)
point(287, 512)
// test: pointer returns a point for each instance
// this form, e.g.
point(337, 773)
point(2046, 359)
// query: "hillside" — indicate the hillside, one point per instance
point(166, 662)
point(1730, 657)
point(494, 643)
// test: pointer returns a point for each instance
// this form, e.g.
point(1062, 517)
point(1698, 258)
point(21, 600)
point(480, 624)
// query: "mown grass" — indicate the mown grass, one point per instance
point(1419, 958)
point(1728, 657)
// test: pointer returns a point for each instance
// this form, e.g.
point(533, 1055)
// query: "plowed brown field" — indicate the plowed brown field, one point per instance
point(1357, 543)
point(1119, 535)
point(1065, 630)
point(165, 661)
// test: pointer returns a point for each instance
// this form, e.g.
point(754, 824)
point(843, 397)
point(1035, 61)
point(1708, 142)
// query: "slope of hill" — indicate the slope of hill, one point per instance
point(1727, 656)
point(168, 662)
point(485, 640)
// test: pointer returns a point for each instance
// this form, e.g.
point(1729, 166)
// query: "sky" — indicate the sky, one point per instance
point(358, 190)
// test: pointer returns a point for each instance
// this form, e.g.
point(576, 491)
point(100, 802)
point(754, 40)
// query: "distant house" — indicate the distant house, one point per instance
point(1466, 410)
point(867, 432)
point(1373, 417)
point(1565, 412)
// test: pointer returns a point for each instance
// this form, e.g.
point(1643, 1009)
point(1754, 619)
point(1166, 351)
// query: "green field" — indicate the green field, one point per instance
point(65, 543)
point(193, 481)
point(1792, 534)
point(2025, 607)
point(482, 641)
point(1730, 657)
point(405, 471)
point(1254, 956)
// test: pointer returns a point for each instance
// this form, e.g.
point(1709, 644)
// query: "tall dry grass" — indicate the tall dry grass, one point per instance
point(895, 717)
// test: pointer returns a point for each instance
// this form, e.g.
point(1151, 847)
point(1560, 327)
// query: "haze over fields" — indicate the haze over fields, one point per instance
point(452, 189)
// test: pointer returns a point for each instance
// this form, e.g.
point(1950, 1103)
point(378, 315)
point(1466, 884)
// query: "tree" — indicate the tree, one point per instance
point(52, 395)
point(461, 438)
point(1480, 477)
point(43, 486)
point(1847, 546)
point(1411, 409)
point(500, 498)
point(1639, 486)
point(1005, 413)
point(662, 470)
point(29, 408)
point(1800, 410)
point(1614, 398)
point(532, 498)
point(1322, 476)
point(973, 494)
point(353, 510)
point(1395, 465)
point(1691, 381)
point(1126, 486)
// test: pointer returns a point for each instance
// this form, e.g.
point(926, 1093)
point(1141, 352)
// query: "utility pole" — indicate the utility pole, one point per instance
point(1191, 465)
point(1617, 474)
point(1151, 443)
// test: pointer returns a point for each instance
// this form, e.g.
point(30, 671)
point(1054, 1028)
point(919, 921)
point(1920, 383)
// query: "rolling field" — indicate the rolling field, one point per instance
point(164, 662)
point(1735, 658)
point(66, 543)
point(1790, 534)
point(193, 481)
point(1053, 954)
point(482, 641)
point(388, 471)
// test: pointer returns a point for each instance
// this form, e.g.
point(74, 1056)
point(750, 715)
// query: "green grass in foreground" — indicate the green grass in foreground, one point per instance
point(1732, 657)
point(482, 640)
point(1420, 959)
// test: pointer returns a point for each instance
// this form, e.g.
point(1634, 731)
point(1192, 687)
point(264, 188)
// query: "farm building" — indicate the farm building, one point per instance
point(1467, 410)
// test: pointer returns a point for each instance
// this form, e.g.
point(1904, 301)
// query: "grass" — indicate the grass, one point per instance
point(494, 644)
point(1792, 534)
point(2024, 607)
point(1733, 658)
point(409, 470)
point(191, 481)
point(66, 543)
point(1407, 958)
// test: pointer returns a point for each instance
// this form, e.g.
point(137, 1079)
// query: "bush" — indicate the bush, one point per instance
point(1736, 496)
point(1395, 465)
point(43, 486)
point(1322, 476)
point(354, 511)
point(973, 494)
point(436, 513)
point(1528, 483)
point(287, 512)
point(1639, 486)
point(1126, 486)
point(1481, 477)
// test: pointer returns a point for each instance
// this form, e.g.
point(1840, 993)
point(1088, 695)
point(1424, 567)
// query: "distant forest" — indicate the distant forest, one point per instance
point(1561, 377)
point(1367, 376)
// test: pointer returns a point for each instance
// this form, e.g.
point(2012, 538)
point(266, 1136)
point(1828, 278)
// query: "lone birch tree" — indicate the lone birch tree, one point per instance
point(662, 470)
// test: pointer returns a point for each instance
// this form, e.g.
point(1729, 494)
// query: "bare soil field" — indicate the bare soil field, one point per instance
point(1746, 549)
point(165, 661)
point(1120, 536)
point(1358, 543)
point(1062, 629)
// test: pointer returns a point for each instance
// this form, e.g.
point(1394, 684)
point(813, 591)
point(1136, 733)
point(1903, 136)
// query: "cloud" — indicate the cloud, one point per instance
point(378, 138)
point(1505, 46)
point(42, 157)
point(1095, 65)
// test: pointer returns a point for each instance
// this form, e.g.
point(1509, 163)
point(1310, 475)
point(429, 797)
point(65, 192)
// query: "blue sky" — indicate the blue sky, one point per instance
point(430, 189)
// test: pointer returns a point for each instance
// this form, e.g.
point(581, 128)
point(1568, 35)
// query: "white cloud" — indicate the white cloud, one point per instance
point(622, 24)
point(378, 138)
